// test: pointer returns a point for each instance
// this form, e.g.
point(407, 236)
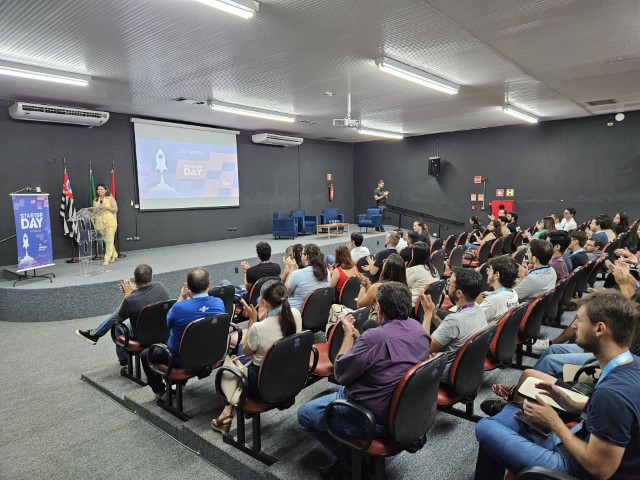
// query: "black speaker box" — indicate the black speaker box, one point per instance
point(434, 166)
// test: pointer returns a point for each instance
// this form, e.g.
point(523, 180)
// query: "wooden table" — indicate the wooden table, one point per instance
point(329, 226)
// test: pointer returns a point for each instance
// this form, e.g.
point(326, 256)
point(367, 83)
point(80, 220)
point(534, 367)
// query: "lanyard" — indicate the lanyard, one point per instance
point(578, 251)
point(468, 305)
point(495, 292)
point(611, 364)
point(274, 311)
point(536, 271)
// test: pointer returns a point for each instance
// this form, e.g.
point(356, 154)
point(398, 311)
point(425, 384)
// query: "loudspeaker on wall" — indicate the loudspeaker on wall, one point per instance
point(434, 166)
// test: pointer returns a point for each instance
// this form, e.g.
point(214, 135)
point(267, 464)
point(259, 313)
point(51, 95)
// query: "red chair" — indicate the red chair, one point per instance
point(465, 376)
point(437, 260)
point(315, 309)
point(435, 290)
point(462, 238)
point(482, 255)
point(349, 293)
point(496, 247)
point(503, 345)
point(455, 261)
point(203, 347)
point(519, 255)
point(283, 374)
point(151, 327)
point(411, 416)
point(449, 245)
point(530, 327)
point(553, 313)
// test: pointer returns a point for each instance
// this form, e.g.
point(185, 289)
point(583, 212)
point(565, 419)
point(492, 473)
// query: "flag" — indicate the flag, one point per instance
point(67, 210)
point(92, 187)
point(113, 183)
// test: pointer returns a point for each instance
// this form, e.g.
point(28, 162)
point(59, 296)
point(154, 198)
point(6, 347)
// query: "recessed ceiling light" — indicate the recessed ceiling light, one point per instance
point(241, 8)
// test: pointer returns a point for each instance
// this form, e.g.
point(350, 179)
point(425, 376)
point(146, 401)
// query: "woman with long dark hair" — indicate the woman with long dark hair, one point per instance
point(621, 222)
point(420, 272)
point(493, 231)
point(422, 230)
point(393, 270)
point(301, 282)
point(105, 222)
point(273, 320)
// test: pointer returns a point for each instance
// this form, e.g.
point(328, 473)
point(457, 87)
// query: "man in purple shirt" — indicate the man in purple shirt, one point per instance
point(368, 368)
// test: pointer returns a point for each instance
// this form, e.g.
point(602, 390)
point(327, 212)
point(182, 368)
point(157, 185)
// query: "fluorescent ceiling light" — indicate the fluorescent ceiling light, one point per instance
point(519, 113)
point(241, 8)
point(420, 77)
point(37, 73)
point(251, 112)
point(380, 133)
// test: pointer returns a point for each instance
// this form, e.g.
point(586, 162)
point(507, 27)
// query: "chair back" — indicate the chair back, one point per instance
point(551, 313)
point(570, 289)
point(462, 238)
point(516, 242)
point(337, 333)
point(456, 256)
point(315, 309)
point(152, 323)
point(483, 270)
point(467, 370)
point(436, 291)
point(329, 214)
point(371, 212)
point(532, 319)
point(449, 244)
point(484, 251)
point(598, 266)
point(285, 367)
point(503, 345)
point(581, 281)
point(205, 341)
point(437, 260)
point(518, 256)
point(254, 294)
point(413, 406)
point(226, 294)
point(507, 247)
point(436, 245)
point(349, 293)
point(496, 247)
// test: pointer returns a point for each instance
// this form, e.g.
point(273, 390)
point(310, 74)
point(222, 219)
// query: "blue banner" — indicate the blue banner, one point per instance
point(33, 230)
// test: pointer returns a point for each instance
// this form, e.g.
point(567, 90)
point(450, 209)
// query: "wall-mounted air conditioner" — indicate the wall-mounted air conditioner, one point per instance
point(50, 113)
point(276, 139)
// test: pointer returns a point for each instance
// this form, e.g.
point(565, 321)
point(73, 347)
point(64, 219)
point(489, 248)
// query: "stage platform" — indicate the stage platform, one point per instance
point(72, 295)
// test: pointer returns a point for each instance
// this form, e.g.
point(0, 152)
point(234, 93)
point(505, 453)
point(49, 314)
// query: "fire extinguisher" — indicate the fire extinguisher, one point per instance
point(331, 192)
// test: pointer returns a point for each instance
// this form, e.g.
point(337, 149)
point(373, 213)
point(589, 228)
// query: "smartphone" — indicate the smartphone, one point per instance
point(584, 388)
point(522, 417)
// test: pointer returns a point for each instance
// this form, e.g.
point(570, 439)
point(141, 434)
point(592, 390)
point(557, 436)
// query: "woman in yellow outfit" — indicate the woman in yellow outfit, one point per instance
point(105, 221)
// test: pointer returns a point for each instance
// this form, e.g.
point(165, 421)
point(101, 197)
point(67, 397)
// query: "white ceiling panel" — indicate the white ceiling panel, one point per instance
point(553, 56)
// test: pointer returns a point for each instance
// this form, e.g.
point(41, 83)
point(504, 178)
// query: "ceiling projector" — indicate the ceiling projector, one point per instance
point(345, 122)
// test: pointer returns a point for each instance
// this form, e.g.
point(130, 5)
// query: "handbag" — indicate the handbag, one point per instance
point(335, 313)
point(229, 383)
point(469, 254)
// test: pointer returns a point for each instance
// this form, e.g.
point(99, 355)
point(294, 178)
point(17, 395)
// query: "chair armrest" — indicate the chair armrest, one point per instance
point(241, 377)
point(322, 220)
point(161, 347)
point(589, 367)
point(341, 218)
point(538, 472)
point(125, 330)
point(235, 327)
point(355, 408)
point(316, 356)
point(376, 216)
point(362, 216)
point(311, 218)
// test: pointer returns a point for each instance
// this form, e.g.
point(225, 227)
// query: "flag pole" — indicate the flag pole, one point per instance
point(74, 258)
point(113, 189)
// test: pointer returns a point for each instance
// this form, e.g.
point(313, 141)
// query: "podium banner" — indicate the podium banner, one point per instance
point(33, 230)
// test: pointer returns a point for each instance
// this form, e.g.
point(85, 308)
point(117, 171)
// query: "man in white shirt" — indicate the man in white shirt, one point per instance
point(568, 223)
point(355, 245)
point(502, 275)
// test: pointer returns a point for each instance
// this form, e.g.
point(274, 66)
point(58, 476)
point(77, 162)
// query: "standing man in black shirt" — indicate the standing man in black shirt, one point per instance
point(380, 196)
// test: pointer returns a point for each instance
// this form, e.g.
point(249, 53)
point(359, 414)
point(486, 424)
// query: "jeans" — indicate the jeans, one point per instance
point(506, 443)
point(474, 246)
point(556, 356)
point(311, 419)
point(104, 327)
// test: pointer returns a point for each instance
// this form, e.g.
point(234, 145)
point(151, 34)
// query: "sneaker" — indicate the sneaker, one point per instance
point(540, 346)
point(505, 392)
point(492, 407)
point(86, 335)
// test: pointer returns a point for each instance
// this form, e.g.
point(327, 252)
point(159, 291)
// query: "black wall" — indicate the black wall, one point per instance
point(271, 179)
point(581, 163)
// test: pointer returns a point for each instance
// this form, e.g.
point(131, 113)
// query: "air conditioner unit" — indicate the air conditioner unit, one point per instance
point(51, 113)
point(276, 139)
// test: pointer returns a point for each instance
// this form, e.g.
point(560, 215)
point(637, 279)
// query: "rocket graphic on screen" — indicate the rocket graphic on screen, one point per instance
point(162, 188)
point(161, 163)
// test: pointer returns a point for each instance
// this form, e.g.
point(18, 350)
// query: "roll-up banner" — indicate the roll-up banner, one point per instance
point(33, 230)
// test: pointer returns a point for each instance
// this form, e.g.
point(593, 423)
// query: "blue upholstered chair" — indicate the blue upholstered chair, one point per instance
point(331, 214)
point(371, 219)
point(284, 226)
point(306, 223)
